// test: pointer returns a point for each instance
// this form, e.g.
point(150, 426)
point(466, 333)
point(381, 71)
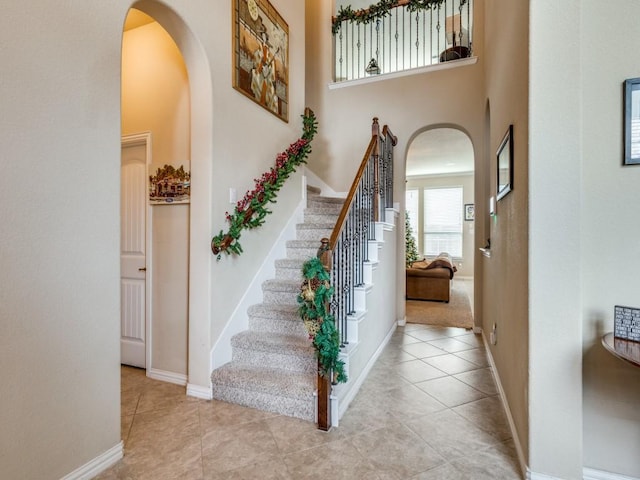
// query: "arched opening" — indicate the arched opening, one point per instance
point(179, 134)
point(440, 216)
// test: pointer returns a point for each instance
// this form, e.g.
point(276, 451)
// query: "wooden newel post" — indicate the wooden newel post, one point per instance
point(375, 131)
point(324, 384)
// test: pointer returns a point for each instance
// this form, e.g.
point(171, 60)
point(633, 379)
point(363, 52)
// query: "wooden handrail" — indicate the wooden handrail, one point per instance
point(372, 149)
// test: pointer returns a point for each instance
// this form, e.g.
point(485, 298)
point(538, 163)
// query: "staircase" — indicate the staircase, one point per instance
point(273, 366)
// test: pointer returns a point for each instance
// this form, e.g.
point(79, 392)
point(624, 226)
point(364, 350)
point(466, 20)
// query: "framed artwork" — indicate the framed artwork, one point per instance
point(505, 165)
point(261, 55)
point(170, 185)
point(469, 212)
point(632, 121)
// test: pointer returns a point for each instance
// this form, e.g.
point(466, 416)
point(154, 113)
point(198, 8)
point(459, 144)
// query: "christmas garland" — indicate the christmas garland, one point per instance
point(380, 10)
point(250, 211)
point(315, 293)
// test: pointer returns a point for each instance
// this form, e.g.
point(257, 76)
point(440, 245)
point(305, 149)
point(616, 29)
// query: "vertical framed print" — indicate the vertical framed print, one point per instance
point(632, 121)
point(505, 165)
point(261, 55)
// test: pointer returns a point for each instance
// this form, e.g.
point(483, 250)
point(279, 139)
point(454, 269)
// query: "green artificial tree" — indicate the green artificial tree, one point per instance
point(411, 251)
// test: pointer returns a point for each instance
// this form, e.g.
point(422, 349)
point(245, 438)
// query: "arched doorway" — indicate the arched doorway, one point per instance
point(197, 222)
point(440, 206)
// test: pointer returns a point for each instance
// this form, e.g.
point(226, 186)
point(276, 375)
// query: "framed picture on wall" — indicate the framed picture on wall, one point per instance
point(632, 121)
point(505, 165)
point(469, 212)
point(261, 55)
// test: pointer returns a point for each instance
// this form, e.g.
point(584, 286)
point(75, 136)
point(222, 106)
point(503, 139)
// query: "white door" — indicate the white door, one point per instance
point(133, 206)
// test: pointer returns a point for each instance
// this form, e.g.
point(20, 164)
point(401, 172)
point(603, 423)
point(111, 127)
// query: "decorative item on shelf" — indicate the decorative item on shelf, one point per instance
point(250, 211)
point(380, 10)
point(411, 251)
point(373, 68)
point(314, 297)
point(627, 323)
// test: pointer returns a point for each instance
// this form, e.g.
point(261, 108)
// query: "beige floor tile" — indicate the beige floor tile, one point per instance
point(481, 379)
point(488, 414)
point(450, 364)
point(392, 355)
point(422, 350)
point(396, 452)
point(450, 391)
point(426, 335)
point(450, 434)
point(450, 345)
point(477, 356)
point(293, 434)
point(493, 463)
point(217, 413)
point(417, 371)
point(273, 468)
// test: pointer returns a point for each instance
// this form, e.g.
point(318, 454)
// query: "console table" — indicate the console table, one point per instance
point(621, 348)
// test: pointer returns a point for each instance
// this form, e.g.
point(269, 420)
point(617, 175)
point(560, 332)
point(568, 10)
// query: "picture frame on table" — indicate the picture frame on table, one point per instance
point(504, 157)
point(632, 121)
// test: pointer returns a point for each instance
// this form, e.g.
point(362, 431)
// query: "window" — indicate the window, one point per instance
point(412, 209)
point(443, 221)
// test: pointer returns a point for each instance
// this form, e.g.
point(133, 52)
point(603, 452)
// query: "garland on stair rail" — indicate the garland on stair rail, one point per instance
point(380, 10)
point(250, 211)
point(315, 294)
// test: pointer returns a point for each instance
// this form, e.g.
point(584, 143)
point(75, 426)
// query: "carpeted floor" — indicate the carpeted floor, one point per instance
point(456, 313)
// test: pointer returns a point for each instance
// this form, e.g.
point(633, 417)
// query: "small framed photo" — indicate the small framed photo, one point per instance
point(469, 212)
point(505, 165)
point(632, 121)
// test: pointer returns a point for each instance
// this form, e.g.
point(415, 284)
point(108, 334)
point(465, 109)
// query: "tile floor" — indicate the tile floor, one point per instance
point(428, 411)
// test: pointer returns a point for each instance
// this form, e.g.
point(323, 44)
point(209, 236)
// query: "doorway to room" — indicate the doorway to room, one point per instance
point(155, 206)
point(440, 225)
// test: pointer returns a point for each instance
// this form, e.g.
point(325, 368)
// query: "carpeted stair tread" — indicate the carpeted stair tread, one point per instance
point(281, 285)
point(267, 310)
point(302, 244)
point(273, 342)
point(268, 380)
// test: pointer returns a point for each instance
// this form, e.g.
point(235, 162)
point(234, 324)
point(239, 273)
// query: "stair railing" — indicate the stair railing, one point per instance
point(345, 253)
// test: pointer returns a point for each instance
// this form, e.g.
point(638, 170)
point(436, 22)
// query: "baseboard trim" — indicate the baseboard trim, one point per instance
point(97, 465)
point(402, 322)
point(593, 474)
point(198, 391)
point(512, 426)
point(539, 476)
point(169, 377)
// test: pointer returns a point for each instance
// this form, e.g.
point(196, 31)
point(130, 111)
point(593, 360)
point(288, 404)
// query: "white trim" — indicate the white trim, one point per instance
point(165, 376)
point(512, 425)
point(198, 391)
point(402, 321)
point(355, 387)
point(98, 464)
point(539, 476)
point(477, 330)
point(405, 73)
point(315, 181)
point(239, 320)
point(593, 474)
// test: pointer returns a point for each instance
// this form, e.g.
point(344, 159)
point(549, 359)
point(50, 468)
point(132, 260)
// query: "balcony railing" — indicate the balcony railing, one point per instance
point(407, 34)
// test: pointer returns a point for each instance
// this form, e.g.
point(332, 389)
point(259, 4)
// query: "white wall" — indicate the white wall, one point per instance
point(609, 236)
point(60, 131)
point(464, 264)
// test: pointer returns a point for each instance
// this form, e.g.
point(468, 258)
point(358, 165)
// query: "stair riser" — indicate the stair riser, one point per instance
point(325, 206)
point(280, 298)
point(316, 217)
point(274, 325)
point(286, 362)
point(316, 234)
point(302, 253)
point(289, 274)
point(292, 407)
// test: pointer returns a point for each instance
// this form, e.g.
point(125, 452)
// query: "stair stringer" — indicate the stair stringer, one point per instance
point(374, 321)
point(221, 352)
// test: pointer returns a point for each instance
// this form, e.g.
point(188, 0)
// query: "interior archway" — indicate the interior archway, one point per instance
point(199, 257)
point(440, 202)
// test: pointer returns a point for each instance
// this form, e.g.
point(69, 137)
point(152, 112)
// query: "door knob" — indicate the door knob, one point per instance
point(143, 269)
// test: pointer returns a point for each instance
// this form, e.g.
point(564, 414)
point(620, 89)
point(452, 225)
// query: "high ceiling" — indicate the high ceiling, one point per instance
point(440, 151)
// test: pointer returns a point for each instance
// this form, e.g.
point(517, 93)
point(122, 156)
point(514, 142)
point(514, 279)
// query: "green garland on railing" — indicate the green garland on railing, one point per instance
point(380, 10)
point(315, 294)
point(250, 212)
